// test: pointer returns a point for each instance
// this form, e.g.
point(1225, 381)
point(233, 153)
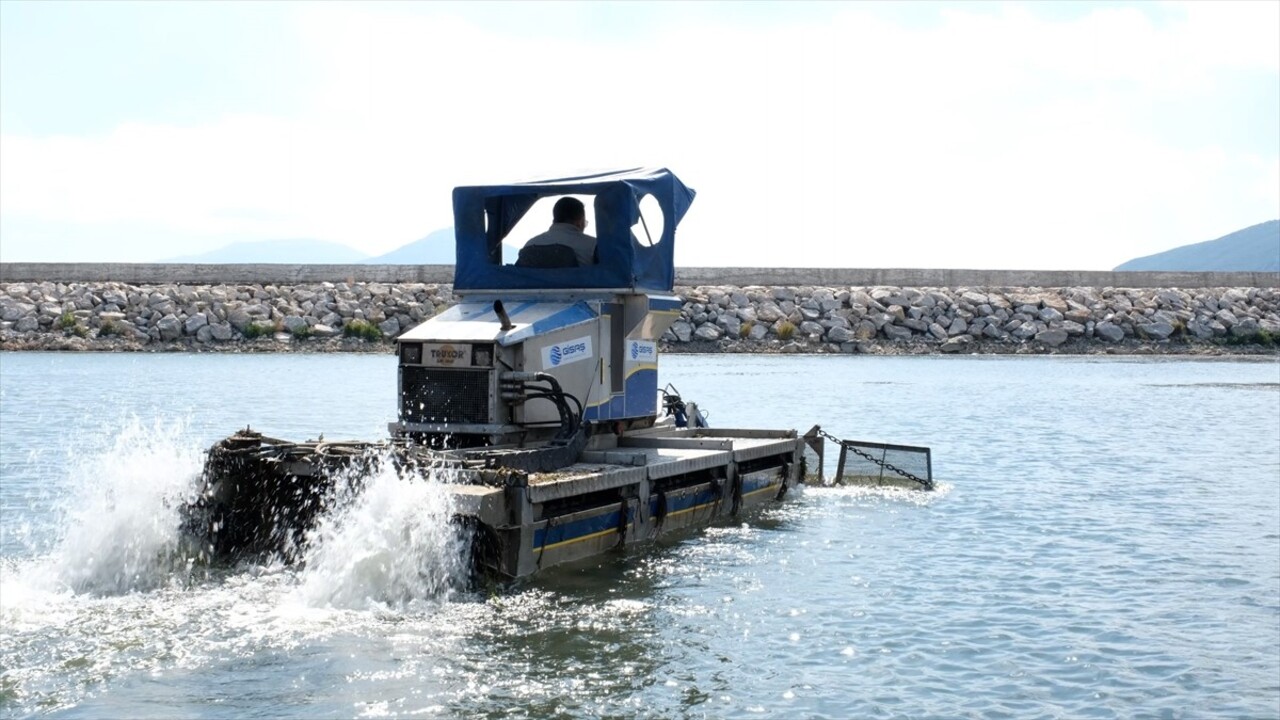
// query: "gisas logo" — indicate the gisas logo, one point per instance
point(644, 351)
point(565, 353)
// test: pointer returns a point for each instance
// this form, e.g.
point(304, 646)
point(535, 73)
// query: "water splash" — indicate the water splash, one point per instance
point(119, 526)
point(393, 544)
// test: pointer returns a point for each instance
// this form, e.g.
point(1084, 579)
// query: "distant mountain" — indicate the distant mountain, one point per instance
point(278, 251)
point(1253, 249)
point(438, 248)
point(434, 249)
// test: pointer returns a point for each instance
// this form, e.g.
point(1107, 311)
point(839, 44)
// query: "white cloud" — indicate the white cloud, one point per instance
point(987, 140)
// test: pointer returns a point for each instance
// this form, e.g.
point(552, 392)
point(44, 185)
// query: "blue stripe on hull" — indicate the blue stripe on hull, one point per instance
point(608, 522)
point(579, 529)
point(748, 487)
point(687, 502)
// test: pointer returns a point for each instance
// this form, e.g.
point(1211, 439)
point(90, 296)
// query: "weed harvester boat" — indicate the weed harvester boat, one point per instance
point(536, 399)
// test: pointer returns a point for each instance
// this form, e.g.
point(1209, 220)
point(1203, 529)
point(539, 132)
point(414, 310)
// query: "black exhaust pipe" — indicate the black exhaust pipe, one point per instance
point(501, 312)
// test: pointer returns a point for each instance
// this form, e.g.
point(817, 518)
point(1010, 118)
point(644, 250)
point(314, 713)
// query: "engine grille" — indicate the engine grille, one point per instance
point(432, 395)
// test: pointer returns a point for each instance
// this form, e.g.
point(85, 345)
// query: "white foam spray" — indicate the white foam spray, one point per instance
point(119, 526)
point(391, 545)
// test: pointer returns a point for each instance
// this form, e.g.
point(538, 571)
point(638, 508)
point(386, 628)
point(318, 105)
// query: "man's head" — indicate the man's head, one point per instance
point(570, 210)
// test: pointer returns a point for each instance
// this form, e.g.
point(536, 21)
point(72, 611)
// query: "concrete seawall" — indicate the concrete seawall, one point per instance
point(275, 274)
point(793, 312)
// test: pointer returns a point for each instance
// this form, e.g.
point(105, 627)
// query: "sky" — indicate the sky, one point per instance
point(1041, 135)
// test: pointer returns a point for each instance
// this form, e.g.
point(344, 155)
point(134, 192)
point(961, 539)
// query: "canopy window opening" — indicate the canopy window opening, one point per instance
point(650, 224)
point(538, 220)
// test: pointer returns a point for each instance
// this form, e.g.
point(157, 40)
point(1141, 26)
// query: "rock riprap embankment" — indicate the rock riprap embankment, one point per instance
point(344, 316)
point(208, 316)
point(956, 319)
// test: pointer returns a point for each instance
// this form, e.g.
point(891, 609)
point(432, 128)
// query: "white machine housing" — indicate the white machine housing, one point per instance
point(602, 349)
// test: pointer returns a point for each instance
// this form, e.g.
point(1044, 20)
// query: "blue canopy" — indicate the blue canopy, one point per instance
point(485, 214)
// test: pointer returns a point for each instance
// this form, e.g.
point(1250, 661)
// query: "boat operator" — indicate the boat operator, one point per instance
point(568, 229)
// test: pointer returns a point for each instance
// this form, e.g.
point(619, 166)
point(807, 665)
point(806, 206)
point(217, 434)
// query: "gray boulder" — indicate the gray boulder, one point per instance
point(1108, 331)
point(1245, 327)
point(880, 319)
point(707, 331)
point(1232, 296)
point(956, 344)
point(240, 318)
point(865, 330)
point(1080, 315)
point(195, 323)
point(220, 331)
point(1073, 328)
point(769, 313)
point(389, 327)
point(1049, 314)
point(809, 327)
point(1052, 337)
point(294, 324)
point(170, 327)
point(860, 297)
point(1201, 330)
point(919, 326)
point(896, 333)
point(1018, 299)
point(13, 312)
point(1159, 330)
point(682, 330)
point(1025, 331)
point(731, 325)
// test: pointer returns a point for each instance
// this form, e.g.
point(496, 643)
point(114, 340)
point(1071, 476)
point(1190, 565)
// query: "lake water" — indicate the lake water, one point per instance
point(1105, 543)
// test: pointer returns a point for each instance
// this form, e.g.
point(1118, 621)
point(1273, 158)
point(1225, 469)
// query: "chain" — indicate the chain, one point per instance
point(928, 484)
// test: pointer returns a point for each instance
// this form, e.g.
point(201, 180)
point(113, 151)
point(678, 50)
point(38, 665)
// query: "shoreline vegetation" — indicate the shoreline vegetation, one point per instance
point(883, 320)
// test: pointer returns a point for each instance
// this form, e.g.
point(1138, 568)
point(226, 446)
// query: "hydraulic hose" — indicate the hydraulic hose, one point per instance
point(570, 420)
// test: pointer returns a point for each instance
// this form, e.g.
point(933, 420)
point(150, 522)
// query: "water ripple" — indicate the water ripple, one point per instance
point(1104, 545)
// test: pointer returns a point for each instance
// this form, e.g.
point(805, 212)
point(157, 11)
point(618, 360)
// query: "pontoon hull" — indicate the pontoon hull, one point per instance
point(262, 496)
